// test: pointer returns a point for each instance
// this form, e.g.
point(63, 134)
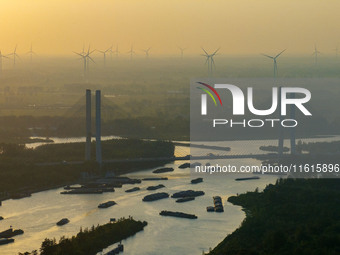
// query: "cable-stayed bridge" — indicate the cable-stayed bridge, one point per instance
point(93, 109)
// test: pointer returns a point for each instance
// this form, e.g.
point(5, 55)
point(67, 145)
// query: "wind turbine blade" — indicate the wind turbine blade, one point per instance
point(205, 51)
point(216, 51)
point(267, 56)
point(78, 54)
point(280, 53)
point(212, 61)
point(91, 59)
point(88, 54)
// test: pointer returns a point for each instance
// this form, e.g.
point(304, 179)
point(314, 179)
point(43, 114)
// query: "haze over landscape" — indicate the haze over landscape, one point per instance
point(100, 95)
point(58, 27)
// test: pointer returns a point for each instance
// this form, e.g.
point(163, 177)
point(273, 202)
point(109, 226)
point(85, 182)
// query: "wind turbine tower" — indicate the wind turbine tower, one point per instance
point(85, 56)
point(316, 53)
point(31, 52)
point(131, 52)
point(116, 52)
point(274, 58)
point(88, 58)
point(104, 53)
point(1, 56)
point(182, 51)
point(15, 55)
point(210, 60)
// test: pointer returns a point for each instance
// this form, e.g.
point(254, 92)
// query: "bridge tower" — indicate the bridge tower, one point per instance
point(292, 130)
point(98, 128)
point(88, 126)
point(280, 145)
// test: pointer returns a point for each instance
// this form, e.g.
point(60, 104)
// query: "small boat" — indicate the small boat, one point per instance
point(218, 204)
point(107, 204)
point(132, 189)
point(156, 196)
point(187, 193)
point(10, 233)
point(185, 165)
point(156, 179)
point(63, 222)
point(197, 180)
point(185, 199)
point(155, 187)
point(6, 241)
point(210, 209)
point(163, 170)
point(117, 250)
point(247, 178)
point(178, 214)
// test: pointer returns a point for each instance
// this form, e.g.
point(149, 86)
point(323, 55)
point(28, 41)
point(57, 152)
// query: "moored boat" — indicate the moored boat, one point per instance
point(63, 222)
point(6, 241)
point(178, 214)
point(197, 180)
point(107, 204)
point(156, 196)
point(132, 189)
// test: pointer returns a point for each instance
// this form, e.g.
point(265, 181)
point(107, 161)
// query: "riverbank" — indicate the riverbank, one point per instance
point(291, 217)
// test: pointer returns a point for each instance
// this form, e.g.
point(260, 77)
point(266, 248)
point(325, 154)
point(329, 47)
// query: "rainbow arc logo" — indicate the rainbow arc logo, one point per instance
point(209, 93)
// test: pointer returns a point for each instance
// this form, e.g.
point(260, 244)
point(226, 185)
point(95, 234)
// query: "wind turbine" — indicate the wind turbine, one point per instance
point(86, 57)
point(104, 53)
point(182, 51)
point(31, 52)
point(315, 53)
point(1, 56)
point(210, 60)
point(131, 52)
point(116, 51)
point(147, 52)
point(83, 56)
point(14, 54)
point(275, 62)
point(280, 143)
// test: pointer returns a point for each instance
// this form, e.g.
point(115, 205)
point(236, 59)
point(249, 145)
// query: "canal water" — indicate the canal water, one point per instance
point(37, 215)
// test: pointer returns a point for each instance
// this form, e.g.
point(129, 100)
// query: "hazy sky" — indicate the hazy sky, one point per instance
point(238, 26)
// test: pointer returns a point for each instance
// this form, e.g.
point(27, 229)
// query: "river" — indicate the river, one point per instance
point(37, 214)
